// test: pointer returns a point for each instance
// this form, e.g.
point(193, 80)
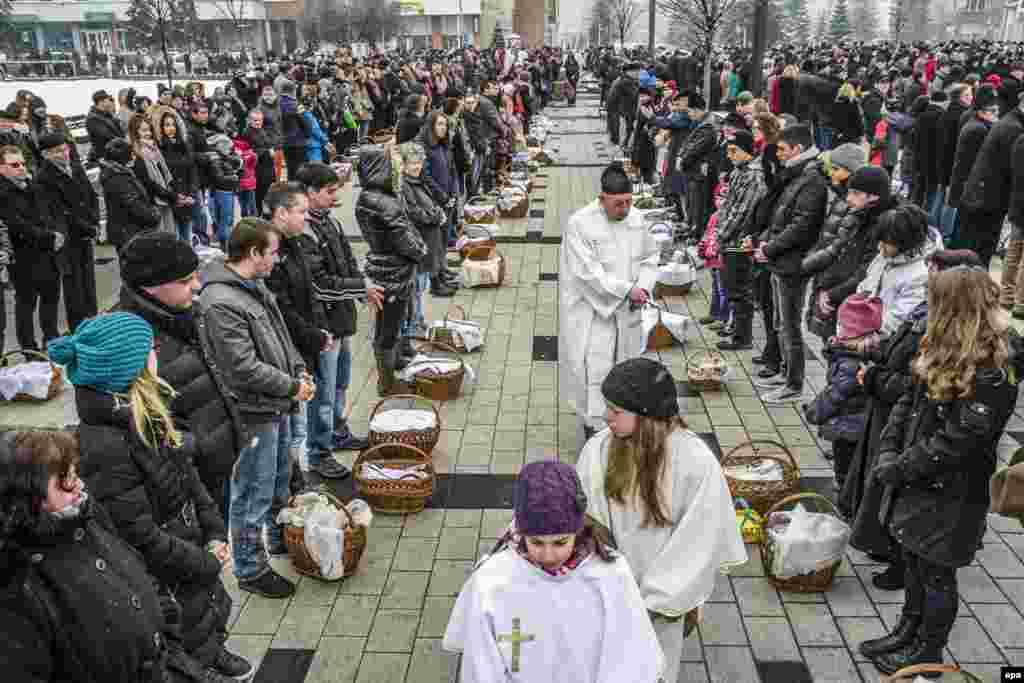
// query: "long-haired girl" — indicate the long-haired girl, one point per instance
point(658, 491)
point(937, 453)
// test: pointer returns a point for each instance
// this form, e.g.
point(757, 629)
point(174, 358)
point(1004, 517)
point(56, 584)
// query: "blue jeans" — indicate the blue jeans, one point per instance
point(247, 203)
point(320, 409)
point(344, 378)
point(409, 324)
point(823, 137)
point(223, 213)
point(199, 224)
point(364, 128)
point(259, 490)
point(720, 308)
point(185, 230)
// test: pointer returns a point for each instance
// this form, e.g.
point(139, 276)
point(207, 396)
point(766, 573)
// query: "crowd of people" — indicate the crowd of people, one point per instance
point(209, 392)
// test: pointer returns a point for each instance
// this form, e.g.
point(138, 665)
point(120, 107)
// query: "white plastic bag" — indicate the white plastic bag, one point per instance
point(808, 542)
point(26, 378)
point(471, 333)
point(401, 419)
point(676, 323)
point(325, 541)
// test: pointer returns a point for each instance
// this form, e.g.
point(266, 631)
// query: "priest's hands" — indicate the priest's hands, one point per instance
point(638, 296)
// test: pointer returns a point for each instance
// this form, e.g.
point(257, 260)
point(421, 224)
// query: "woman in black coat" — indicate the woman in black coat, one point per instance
point(182, 164)
point(140, 468)
point(129, 209)
point(937, 454)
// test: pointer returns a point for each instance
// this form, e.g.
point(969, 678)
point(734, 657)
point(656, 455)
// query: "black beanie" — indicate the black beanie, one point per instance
point(871, 180)
point(156, 258)
point(643, 387)
point(615, 181)
point(985, 97)
point(744, 140)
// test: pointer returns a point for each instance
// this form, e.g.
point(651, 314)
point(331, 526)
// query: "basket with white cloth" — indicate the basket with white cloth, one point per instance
point(802, 549)
point(436, 371)
point(676, 277)
point(395, 478)
point(405, 418)
point(324, 536)
point(461, 334)
point(37, 379)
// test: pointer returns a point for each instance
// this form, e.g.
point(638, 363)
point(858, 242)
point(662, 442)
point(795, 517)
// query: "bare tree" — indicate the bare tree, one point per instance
point(601, 19)
point(161, 20)
point(706, 18)
point(375, 20)
point(234, 11)
point(624, 15)
point(897, 18)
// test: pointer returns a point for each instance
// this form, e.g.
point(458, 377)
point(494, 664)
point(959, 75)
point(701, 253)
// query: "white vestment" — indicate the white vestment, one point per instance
point(675, 566)
point(600, 262)
point(587, 626)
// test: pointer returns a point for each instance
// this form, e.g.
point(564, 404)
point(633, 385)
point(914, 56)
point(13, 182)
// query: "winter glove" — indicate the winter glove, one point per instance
point(889, 469)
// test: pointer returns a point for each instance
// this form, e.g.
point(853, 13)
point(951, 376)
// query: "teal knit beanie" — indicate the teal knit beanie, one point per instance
point(106, 353)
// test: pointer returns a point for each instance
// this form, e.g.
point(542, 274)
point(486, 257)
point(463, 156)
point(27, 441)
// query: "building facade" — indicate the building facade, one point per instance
point(439, 24)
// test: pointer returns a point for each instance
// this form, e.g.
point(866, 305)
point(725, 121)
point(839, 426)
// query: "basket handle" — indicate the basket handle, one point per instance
point(769, 442)
point(326, 492)
point(381, 402)
point(801, 496)
point(707, 354)
point(908, 671)
point(27, 353)
point(474, 253)
point(447, 348)
point(364, 456)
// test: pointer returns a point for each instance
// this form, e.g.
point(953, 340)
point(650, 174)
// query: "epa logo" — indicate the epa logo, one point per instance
point(1012, 673)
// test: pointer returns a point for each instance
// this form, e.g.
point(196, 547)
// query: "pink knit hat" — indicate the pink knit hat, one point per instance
point(859, 316)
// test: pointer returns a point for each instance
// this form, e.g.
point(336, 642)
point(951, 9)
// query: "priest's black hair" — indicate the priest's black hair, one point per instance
point(615, 181)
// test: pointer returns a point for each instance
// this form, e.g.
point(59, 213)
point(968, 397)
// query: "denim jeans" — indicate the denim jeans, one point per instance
point(409, 324)
point(320, 409)
point(185, 230)
point(223, 213)
point(364, 128)
point(720, 307)
point(259, 490)
point(199, 223)
point(247, 203)
point(823, 137)
point(344, 378)
point(789, 294)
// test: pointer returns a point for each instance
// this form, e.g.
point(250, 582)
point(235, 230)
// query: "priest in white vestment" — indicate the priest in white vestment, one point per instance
point(608, 265)
point(677, 562)
point(549, 605)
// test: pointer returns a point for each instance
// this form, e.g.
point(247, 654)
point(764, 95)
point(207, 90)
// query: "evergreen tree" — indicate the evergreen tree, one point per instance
point(839, 26)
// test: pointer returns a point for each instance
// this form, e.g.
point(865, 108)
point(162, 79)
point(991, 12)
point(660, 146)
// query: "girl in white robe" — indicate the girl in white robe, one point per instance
point(659, 492)
point(551, 604)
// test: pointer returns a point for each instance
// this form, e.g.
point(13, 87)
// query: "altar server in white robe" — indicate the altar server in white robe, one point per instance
point(659, 492)
point(609, 263)
point(550, 604)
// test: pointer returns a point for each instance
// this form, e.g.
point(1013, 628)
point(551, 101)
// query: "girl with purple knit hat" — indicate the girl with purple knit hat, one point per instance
point(552, 603)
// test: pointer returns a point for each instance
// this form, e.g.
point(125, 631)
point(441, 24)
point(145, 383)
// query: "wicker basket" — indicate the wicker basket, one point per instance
point(423, 439)
point(520, 210)
point(56, 379)
point(480, 210)
point(662, 290)
point(815, 582)
point(478, 236)
point(439, 387)
point(708, 373)
point(449, 336)
point(762, 494)
point(355, 544)
point(912, 671)
point(390, 496)
point(486, 252)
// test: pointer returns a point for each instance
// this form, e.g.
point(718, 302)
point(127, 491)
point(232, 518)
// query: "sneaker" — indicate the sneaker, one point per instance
point(759, 360)
point(269, 584)
point(783, 394)
point(231, 665)
point(770, 382)
point(767, 371)
point(350, 442)
point(329, 468)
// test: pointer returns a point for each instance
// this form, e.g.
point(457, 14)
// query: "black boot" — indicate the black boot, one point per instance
point(405, 353)
point(904, 634)
point(892, 579)
point(916, 652)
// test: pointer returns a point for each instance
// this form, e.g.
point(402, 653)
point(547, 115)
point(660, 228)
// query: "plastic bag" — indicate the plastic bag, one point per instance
point(402, 419)
point(805, 541)
point(675, 323)
point(26, 378)
point(325, 541)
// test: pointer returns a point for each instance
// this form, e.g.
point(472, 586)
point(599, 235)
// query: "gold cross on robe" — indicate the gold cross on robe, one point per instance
point(516, 637)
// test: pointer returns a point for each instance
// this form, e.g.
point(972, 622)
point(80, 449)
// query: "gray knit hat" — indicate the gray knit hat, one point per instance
point(849, 156)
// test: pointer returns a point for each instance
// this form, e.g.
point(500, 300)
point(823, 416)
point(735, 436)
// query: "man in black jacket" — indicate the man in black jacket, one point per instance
point(793, 215)
point(696, 162)
point(64, 187)
point(159, 276)
point(38, 243)
point(102, 125)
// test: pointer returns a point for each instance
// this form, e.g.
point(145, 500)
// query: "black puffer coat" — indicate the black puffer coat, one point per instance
point(203, 405)
point(972, 136)
point(396, 247)
point(102, 128)
point(129, 210)
point(946, 451)
point(160, 507)
point(77, 604)
point(990, 183)
point(798, 200)
point(428, 218)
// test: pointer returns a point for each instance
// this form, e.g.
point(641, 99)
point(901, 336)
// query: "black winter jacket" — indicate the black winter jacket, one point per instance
point(990, 183)
point(428, 218)
point(798, 202)
point(160, 507)
point(102, 128)
point(697, 154)
point(203, 406)
point(71, 199)
point(223, 171)
point(950, 133)
point(182, 163)
point(946, 451)
point(972, 137)
point(129, 210)
point(77, 604)
point(28, 217)
point(396, 247)
point(928, 154)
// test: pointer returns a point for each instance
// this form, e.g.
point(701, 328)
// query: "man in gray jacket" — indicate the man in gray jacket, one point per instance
point(267, 376)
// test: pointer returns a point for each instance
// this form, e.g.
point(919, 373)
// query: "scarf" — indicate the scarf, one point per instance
point(513, 539)
point(156, 167)
point(72, 511)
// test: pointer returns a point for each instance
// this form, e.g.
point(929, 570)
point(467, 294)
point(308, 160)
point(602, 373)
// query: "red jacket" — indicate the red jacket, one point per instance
point(247, 181)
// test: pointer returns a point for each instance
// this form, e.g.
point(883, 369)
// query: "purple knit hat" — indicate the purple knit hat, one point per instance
point(549, 499)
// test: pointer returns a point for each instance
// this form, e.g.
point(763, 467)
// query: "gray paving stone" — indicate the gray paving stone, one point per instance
point(260, 616)
point(813, 624)
point(969, 643)
point(415, 554)
point(448, 577)
point(383, 668)
point(722, 625)
point(1000, 562)
point(302, 627)
point(771, 639)
point(848, 599)
point(426, 524)
point(314, 592)
point(352, 615)
point(975, 585)
point(435, 615)
point(336, 660)
point(757, 597)
point(1014, 588)
point(393, 631)
point(369, 579)
point(877, 595)
point(458, 543)
point(1003, 623)
point(856, 630)
point(405, 590)
point(430, 663)
point(494, 523)
point(832, 665)
point(723, 590)
point(253, 648)
point(693, 672)
point(381, 541)
point(731, 665)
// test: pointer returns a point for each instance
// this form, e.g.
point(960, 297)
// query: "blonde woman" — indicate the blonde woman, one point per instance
point(658, 492)
point(138, 466)
point(937, 453)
